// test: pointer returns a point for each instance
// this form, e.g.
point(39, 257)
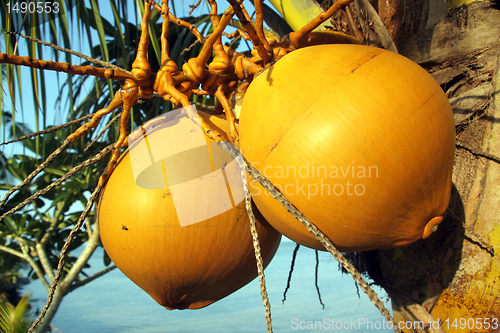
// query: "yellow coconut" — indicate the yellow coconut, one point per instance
point(180, 263)
point(360, 139)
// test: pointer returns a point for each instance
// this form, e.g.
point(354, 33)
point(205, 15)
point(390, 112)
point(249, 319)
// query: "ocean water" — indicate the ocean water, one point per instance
point(113, 303)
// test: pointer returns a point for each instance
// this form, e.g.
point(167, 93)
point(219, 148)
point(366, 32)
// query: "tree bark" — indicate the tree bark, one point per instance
point(455, 273)
point(404, 19)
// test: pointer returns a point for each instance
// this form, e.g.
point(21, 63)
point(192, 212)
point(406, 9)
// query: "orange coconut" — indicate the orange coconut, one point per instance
point(360, 139)
point(179, 266)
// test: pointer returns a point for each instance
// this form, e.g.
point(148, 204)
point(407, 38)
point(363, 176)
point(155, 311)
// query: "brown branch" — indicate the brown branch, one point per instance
point(164, 34)
point(188, 26)
point(249, 28)
point(58, 48)
point(231, 120)
point(194, 69)
point(193, 7)
point(237, 33)
point(103, 73)
point(214, 18)
point(155, 5)
point(297, 36)
point(259, 25)
point(96, 118)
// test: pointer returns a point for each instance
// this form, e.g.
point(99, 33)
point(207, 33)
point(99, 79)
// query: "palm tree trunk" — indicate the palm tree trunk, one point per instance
point(454, 274)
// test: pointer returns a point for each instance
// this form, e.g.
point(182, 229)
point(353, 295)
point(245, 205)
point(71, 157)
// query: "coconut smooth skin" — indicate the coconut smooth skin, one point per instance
point(361, 140)
point(179, 266)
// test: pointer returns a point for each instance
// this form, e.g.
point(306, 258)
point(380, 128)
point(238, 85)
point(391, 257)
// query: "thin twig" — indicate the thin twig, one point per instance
point(70, 173)
point(187, 49)
point(64, 250)
point(193, 7)
point(80, 55)
point(177, 21)
point(479, 153)
point(474, 237)
point(231, 45)
point(115, 118)
point(316, 279)
point(318, 234)
point(48, 130)
point(292, 266)
point(91, 278)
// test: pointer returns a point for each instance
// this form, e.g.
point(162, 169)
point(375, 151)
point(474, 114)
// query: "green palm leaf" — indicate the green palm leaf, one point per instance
point(15, 319)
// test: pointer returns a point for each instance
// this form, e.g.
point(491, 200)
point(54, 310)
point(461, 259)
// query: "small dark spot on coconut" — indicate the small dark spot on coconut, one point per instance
point(124, 227)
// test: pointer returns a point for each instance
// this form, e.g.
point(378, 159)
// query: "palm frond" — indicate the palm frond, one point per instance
point(15, 319)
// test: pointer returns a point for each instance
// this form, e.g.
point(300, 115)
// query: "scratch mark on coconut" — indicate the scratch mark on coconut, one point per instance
point(272, 149)
point(364, 62)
